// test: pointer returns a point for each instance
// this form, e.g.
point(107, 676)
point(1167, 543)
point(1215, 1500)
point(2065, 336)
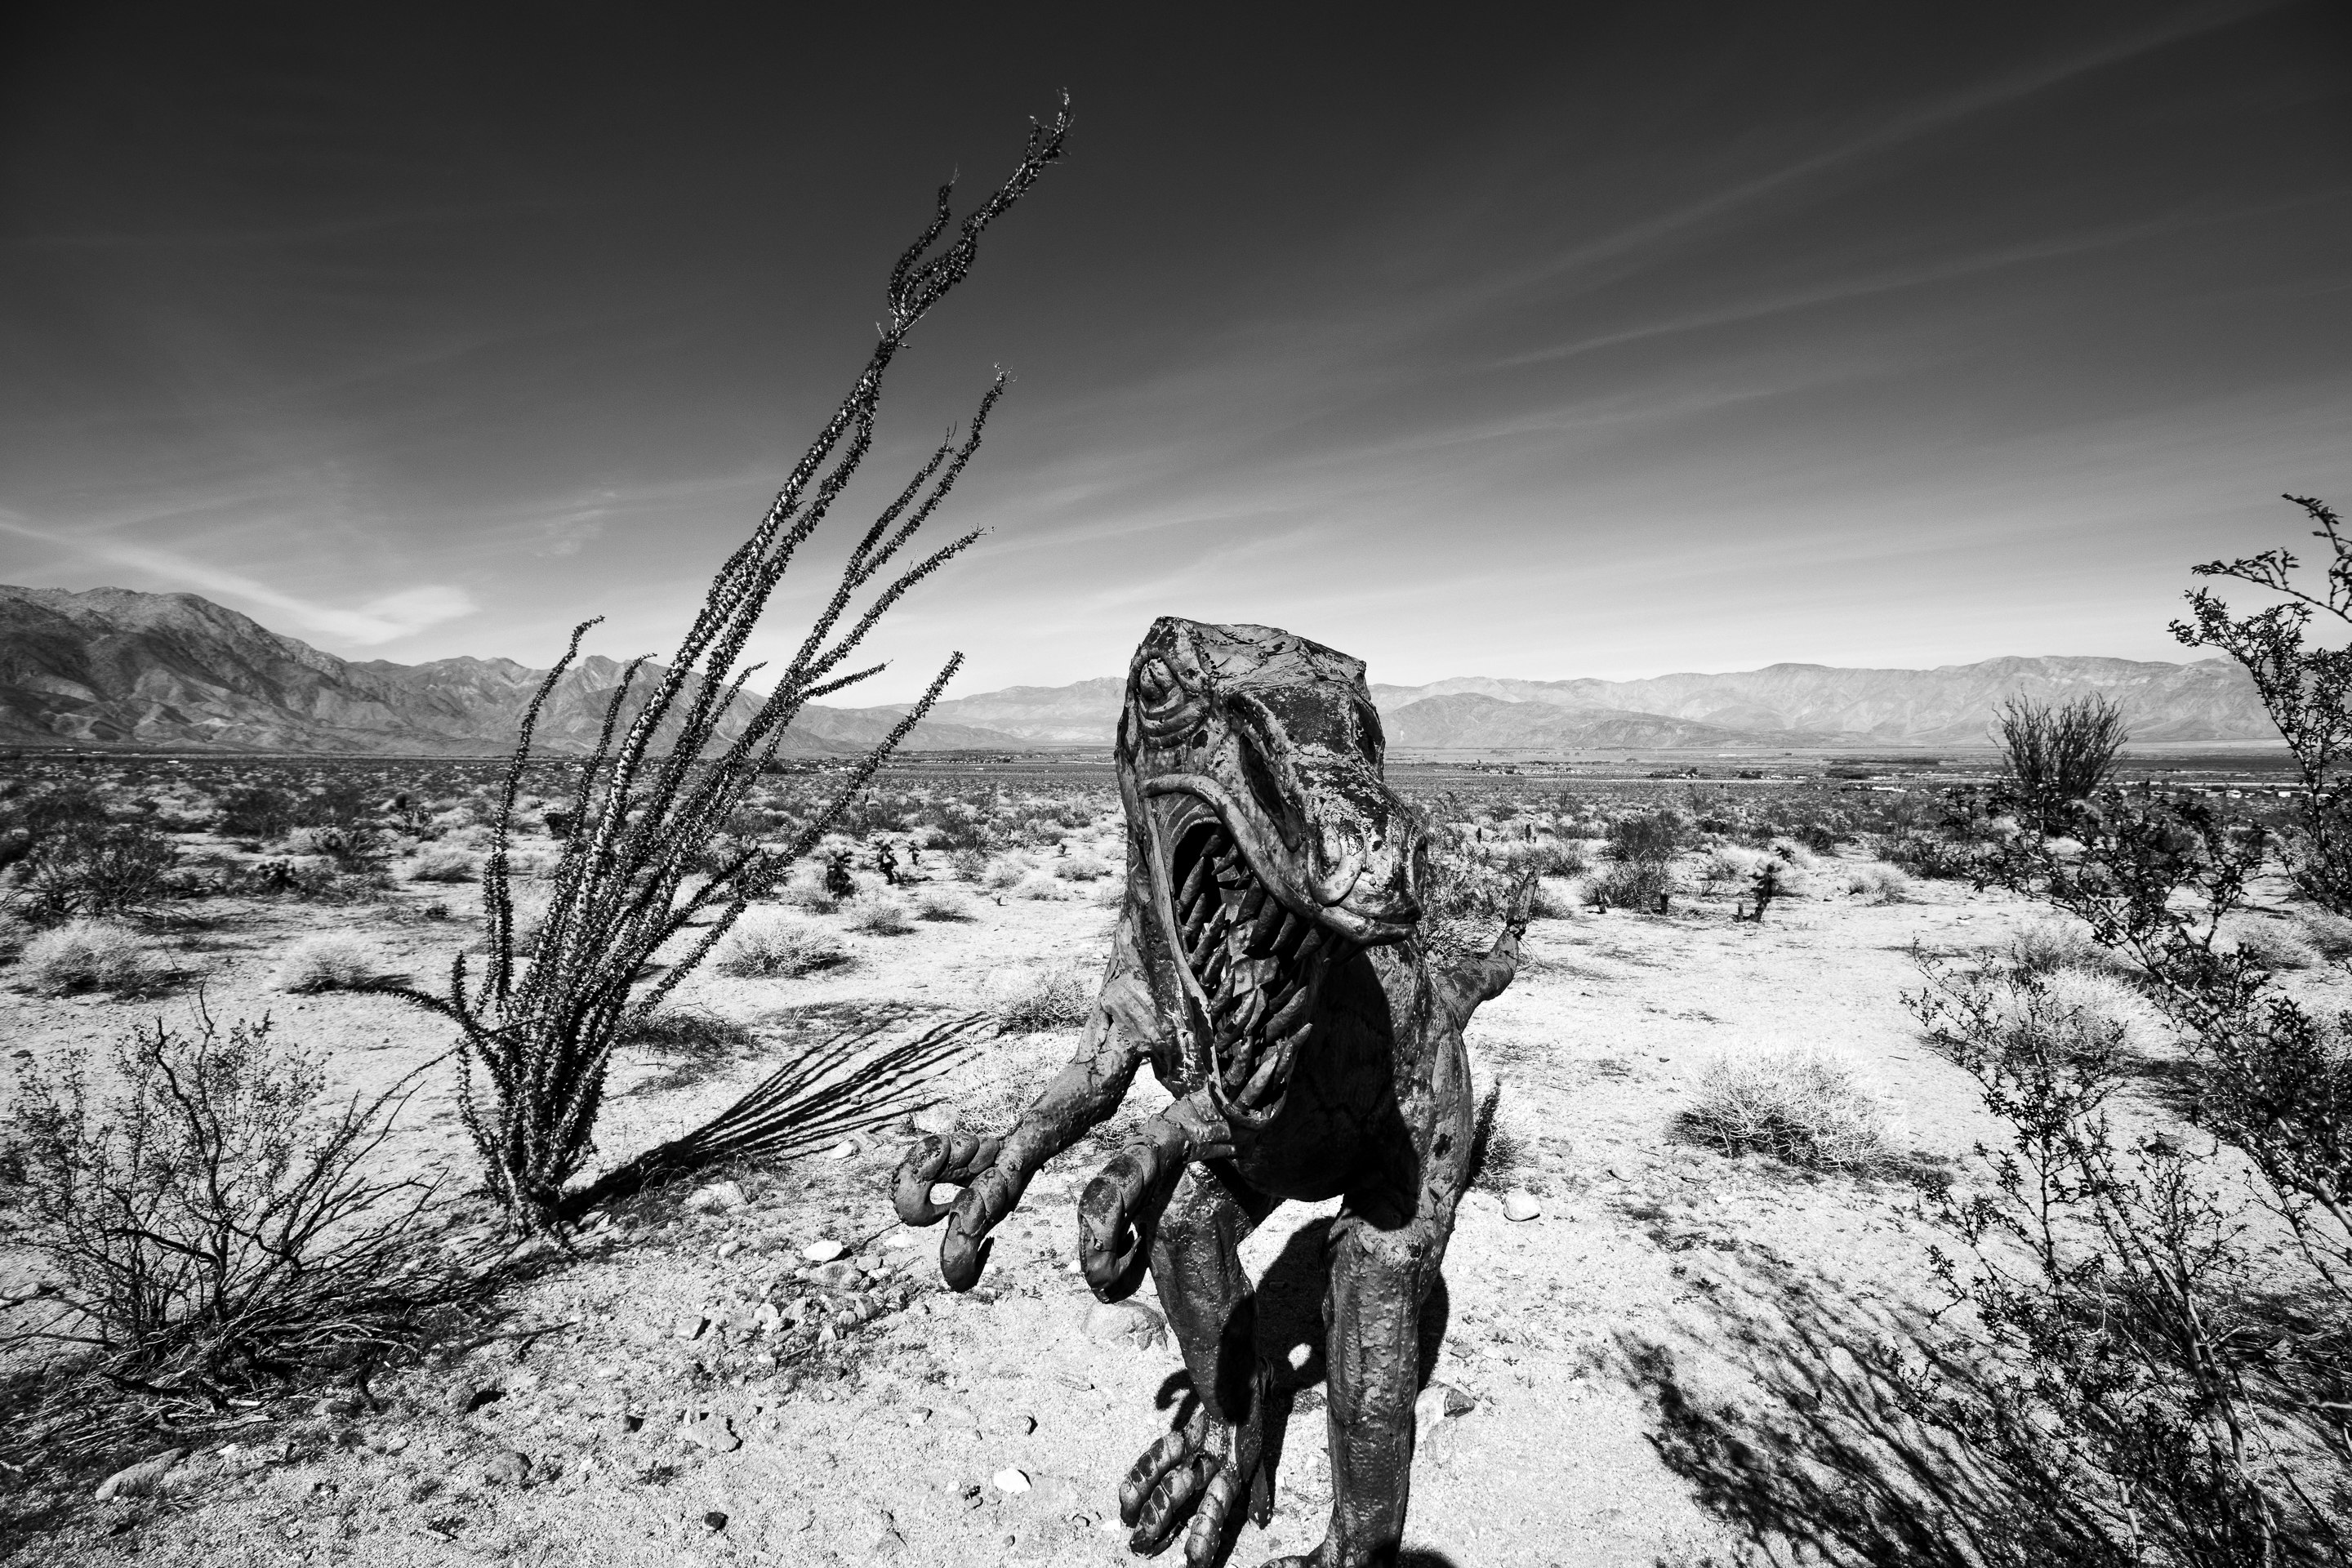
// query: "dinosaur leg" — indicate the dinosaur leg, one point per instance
point(1205, 1469)
point(1385, 1251)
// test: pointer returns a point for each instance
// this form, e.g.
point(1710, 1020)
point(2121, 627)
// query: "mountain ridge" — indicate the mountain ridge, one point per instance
point(117, 666)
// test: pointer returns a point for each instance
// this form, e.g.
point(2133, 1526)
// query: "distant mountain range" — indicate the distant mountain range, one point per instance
point(110, 666)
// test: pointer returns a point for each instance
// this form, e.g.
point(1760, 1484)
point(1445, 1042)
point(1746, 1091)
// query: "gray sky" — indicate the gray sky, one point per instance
point(1666, 338)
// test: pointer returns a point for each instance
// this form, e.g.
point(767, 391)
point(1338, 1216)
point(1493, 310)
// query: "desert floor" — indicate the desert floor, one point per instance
point(1620, 1361)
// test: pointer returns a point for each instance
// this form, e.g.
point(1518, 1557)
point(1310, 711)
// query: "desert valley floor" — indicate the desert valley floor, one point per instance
point(1626, 1379)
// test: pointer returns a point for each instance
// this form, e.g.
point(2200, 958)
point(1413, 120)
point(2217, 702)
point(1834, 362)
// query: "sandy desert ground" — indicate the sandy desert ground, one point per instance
point(1610, 1379)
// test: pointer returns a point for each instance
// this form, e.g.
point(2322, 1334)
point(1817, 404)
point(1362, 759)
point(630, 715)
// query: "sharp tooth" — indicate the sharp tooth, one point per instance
point(1274, 1069)
point(1313, 940)
point(1253, 901)
point(1270, 915)
point(1293, 1007)
point(1194, 884)
point(1293, 928)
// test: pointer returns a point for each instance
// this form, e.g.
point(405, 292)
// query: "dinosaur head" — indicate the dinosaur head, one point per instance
point(1251, 760)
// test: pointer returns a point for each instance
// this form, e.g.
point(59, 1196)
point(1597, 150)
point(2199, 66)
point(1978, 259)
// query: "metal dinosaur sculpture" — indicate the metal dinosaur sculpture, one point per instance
point(1269, 966)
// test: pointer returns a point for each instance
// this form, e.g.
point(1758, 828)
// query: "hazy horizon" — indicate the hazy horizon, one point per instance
point(1684, 340)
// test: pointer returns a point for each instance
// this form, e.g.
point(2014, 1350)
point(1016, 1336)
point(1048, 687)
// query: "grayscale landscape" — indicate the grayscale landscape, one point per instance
point(1459, 791)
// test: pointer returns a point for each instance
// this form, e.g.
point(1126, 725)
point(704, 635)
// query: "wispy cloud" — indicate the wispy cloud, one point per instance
point(383, 619)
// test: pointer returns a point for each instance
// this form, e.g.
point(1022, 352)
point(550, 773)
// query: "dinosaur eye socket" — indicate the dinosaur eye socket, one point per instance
point(1157, 683)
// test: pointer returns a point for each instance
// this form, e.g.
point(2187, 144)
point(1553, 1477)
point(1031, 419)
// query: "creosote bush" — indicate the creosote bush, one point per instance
point(209, 1213)
point(1805, 1106)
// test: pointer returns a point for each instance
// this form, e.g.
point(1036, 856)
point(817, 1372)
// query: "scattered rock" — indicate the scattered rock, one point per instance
point(339, 1405)
point(1016, 1425)
point(509, 1467)
point(1010, 1481)
point(835, 1276)
point(142, 1479)
point(472, 1397)
point(713, 1433)
point(1520, 1203)
point(1131, 1323)
point(823, 1251)
point(767, 1317)
point(727, 1249)
point(1457, 1403)
point(847, 1149)
point(719, 1198)
point(690, 1326)
point(387, 1442)
point(715, 1520)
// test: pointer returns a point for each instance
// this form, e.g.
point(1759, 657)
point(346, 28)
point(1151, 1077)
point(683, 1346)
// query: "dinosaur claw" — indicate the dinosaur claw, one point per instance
point(933, 1160)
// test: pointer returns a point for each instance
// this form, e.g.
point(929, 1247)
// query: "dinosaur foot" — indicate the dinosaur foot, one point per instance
point(1200, 1478)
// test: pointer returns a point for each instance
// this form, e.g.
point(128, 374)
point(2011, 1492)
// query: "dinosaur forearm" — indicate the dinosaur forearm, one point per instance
point(1121, 1206)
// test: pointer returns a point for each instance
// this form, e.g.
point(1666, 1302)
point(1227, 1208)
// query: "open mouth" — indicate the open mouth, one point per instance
point(1259, 963)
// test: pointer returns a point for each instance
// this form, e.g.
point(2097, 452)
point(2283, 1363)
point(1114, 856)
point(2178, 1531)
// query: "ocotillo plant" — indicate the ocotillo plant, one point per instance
point(642, 820)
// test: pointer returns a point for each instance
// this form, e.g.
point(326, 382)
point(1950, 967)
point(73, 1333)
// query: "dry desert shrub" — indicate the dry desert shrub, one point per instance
point(942, 904)
point(969, 864)
point(1043, 889)
point(2276, 945)
point(1803, 1105)
point(778, 949)
point(1631, 885)
point(1879, 883)
point(2051, 945)
point(209, 1219)
point(998, 876)
point(2329, 934)
point(1056, 999)
point(329, 962)
point(877, 914)
point(444, 863)
point(95, 955)
point(1553, 902)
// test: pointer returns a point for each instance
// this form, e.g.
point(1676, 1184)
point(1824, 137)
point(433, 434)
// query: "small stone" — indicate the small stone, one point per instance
point(509, 1467)
point(387, 1442)
point(823, 1251)
point(767, 1317)
point(1457, 1403)
point(142, 1479)
point(839, 1275)
point(1017, 1425)
point(713, 1433)
point(727, 1249)
point(1010, 1481)
point(1125, 1323)
point(715, 1520)
point(719, 1198)
point(847, 1149)
point(338, 1405)
point(1518, 1204)
point(691, 1326)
